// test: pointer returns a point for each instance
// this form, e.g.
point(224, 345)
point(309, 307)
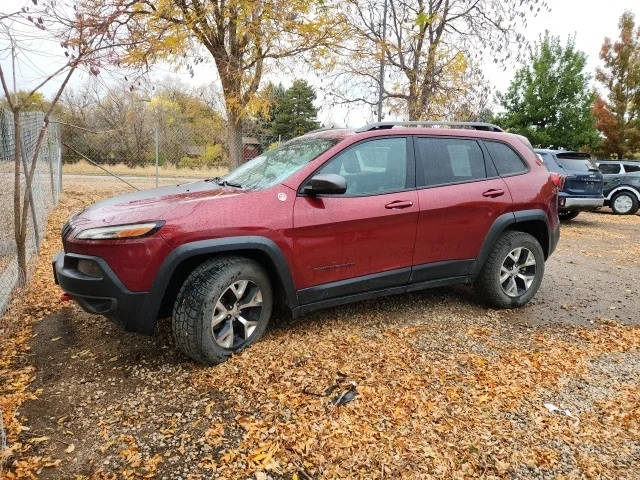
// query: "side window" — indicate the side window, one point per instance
point(376, 166)
point(449, 160)
point(609, 168)
point(631, 168)
point(506, 160)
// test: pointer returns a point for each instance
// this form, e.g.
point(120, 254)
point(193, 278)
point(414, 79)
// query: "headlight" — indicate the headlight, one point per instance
point(134, 230)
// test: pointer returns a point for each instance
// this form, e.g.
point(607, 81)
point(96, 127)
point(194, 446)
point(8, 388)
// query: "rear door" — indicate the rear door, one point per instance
point(460, 198)
point(369, 231)
point(611, 175)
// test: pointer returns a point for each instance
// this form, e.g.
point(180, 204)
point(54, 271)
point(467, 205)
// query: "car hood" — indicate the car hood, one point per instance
point(161, 203)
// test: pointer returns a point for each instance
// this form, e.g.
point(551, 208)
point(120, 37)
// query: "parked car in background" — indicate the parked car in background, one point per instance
point(583, 185)
point(332, 217)
point(621, 185)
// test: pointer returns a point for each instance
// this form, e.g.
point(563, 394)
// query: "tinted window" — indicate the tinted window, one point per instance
point(631, 168)
point(575, 164)
point(376, 166)
point(506, 160)
point(609, 168)
point(449, 160)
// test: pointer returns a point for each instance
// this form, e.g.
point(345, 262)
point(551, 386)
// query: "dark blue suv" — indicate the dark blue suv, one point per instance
point(583, 181)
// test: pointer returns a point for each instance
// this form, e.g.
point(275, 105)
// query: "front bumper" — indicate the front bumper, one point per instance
point(581, 203)
point(104, 295)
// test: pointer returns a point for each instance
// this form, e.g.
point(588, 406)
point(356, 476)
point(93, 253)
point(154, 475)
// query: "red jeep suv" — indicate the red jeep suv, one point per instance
point(332, 217)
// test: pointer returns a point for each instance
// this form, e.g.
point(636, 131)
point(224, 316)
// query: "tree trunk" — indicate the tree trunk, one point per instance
point(21, 252)
point(414, 108)
point(235, 139)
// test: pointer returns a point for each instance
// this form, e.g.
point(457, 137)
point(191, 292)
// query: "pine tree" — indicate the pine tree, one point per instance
point(274, 94)
point(550, 100)
point(295, 114)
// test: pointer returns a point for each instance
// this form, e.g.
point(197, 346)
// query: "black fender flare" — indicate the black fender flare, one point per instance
point(217, 246)
point(501, 224)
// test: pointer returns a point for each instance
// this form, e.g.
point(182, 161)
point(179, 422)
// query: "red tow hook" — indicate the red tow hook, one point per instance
point(65, 297)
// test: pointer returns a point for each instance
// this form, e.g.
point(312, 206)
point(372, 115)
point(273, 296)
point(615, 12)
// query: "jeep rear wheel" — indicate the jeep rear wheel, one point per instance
point(513, 272)
point(222, 307)
point(624, 203)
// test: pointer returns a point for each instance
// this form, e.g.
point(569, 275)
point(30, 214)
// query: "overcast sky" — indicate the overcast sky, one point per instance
point(589, 20)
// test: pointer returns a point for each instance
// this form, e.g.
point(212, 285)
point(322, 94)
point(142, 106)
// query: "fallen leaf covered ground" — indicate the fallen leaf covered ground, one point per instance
point(445, 388)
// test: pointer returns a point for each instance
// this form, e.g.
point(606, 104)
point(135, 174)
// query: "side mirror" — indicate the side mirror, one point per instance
point(326, 184)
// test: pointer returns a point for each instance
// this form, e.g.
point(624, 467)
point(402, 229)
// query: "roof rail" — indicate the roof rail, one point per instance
point(472, 125)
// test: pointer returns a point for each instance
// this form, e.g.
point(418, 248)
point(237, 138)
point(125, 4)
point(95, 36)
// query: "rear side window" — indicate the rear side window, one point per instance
point(505, 159)
point(609, 168)
point(448, 160)
point(631, 168)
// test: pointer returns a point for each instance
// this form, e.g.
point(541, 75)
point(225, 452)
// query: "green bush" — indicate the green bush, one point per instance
point(190, 162)
point(150, 158)
point(213, 156)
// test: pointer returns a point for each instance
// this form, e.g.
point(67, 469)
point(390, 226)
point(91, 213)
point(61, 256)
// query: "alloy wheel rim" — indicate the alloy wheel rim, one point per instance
point(518, 272)
point(623, 203)
point(236, 314)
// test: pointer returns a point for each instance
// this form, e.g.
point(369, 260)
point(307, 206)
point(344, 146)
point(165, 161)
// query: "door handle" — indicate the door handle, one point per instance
point(399, 204)
point(493, 193)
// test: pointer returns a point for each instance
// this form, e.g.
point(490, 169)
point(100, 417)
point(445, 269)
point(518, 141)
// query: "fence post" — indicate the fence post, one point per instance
point(156, 135)
point(59, 149)
point(28, 187)
point(50, 151)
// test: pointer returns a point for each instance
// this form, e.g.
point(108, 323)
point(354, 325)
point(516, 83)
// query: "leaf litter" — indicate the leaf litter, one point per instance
point(440, 387)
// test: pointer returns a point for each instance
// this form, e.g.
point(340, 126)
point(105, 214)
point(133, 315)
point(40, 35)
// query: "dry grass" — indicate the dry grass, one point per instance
point(85, 168)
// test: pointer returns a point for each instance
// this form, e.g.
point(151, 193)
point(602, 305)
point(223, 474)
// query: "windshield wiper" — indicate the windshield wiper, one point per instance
point(226, 183)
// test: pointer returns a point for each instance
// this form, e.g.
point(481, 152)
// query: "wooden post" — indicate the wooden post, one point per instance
point(36, 234)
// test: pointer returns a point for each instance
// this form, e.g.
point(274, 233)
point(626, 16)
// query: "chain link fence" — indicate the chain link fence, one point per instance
point(177, 131)
point(172, 147)
point(45, 190)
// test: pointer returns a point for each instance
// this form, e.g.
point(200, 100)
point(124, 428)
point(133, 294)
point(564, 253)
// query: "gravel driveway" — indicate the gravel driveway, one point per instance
point(446, 388)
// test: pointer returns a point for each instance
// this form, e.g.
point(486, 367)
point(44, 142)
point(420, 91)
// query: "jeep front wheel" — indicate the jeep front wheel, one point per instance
point(513, 272)
point(223, 306)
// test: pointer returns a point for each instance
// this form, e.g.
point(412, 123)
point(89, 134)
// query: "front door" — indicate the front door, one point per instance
point(363, 239)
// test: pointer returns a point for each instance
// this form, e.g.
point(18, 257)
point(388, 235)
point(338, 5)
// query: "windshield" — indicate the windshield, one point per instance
point(576, 164)
point(274, 166)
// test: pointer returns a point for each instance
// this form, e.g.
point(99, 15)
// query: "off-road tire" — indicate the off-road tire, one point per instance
point(634, 203)
point(566, 216)
point(193, 309)
point(487, 283)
